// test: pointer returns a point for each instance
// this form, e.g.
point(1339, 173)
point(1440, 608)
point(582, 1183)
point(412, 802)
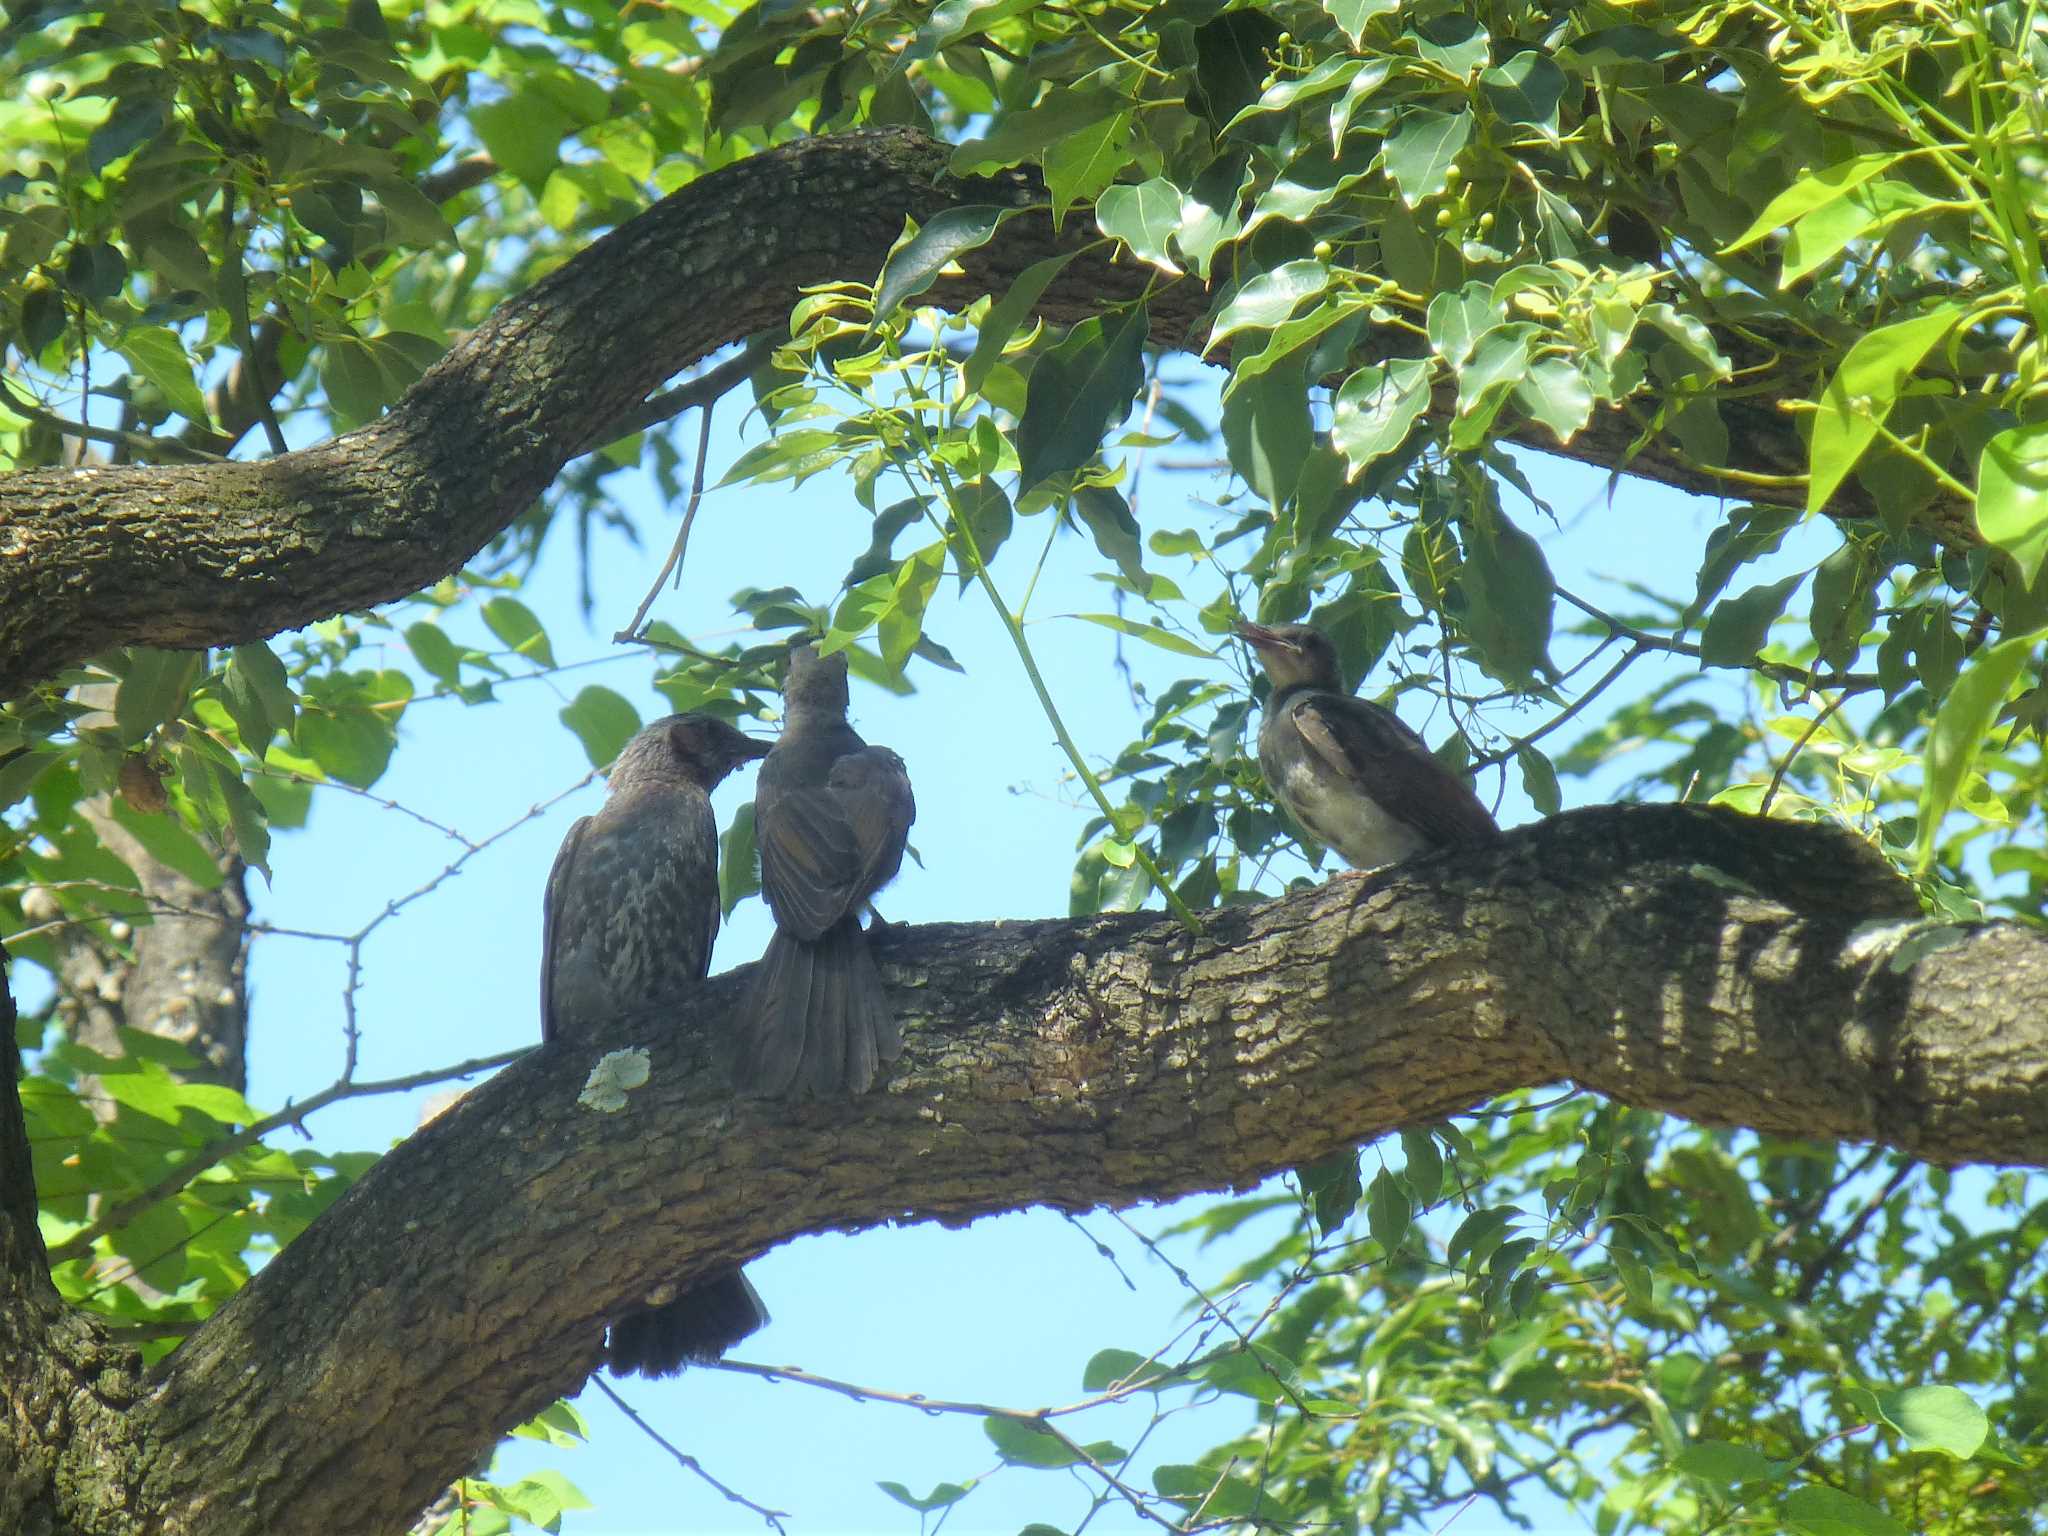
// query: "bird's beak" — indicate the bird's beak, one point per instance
point(1261, 638)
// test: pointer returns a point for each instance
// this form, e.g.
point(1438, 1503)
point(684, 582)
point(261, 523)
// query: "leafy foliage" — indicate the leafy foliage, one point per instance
point(1428, 234)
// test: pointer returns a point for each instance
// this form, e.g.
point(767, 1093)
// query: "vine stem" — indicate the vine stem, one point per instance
point(968, 547)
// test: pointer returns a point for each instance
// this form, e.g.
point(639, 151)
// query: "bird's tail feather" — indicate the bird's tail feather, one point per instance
point(695, 1329)
point(821, 1023)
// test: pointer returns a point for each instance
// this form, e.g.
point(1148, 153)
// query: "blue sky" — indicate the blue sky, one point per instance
point(1007, 1311)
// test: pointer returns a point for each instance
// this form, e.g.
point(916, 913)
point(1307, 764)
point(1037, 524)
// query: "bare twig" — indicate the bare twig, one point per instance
point(674, 562)
point(689, 1463)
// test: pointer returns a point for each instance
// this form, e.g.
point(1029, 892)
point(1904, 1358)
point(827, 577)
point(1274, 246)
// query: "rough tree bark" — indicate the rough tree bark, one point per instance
point(1731, 970)
point(183, 555)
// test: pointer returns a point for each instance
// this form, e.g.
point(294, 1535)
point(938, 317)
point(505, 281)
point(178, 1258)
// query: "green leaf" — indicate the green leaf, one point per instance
point(1959, 731)
point(1003, 318)
point(1456, 320)
point(2012, 496)
point(1554, 393)
point(1079, 390)
point(1024, 1444)
point(1728, 1466)
point(981, 508)
point(1021, 135)
point(739, 861)
point(603, 721)
point(159, 356)
point(257, 666)
point(1232, 58)
point(246, 817)
point(134, 121)
point(1421, 152)
point(942, 1495)
point(1937, 1418)
point(1424, 1173)
point(1861, 395)
point(246, 708)
point(1107, 1367)
point(1539, 780)
point(1080, 164)
point(1354, 15)
point(1267, 430)
point(169, 843)
point(1748, 534)
point(1145, 217)
point(1526, 89)
point(1737, 628)
point(1817, 1510)
point(435, 652)
point(1509, 594)
point(1270, 298)
point(1814, 189)
point(20, 773)
point(154, 690)
point(1387, 1212)
point(1863, 214)
point(524, 134)
point(916, 260)
point(1151, 634)
point(1108, 517)
point(1376, 408)
point(515, 625)
point(1332, 1187)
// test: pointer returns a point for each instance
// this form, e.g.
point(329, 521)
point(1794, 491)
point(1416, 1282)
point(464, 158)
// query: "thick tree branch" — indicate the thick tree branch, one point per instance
point(1723, 968)
point(190, 555)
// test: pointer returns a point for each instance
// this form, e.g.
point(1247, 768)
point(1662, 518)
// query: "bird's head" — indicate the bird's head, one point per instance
point(1295, 655)
point(698, 747)
point(814, 684)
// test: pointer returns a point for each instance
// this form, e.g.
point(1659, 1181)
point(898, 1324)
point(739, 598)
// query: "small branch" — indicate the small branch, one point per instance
point(705, 390)
point(631, 634)
point(689, 1463)
point(142, 444)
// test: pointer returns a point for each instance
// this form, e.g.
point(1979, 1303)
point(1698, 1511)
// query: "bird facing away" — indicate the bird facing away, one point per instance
point(630, 913)
point(1347, 770)
point(831, 816)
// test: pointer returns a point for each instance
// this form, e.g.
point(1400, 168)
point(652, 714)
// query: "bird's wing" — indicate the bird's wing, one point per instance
point(811, 863)
point(1373, 748)
point(873, 788)
point(554, 938)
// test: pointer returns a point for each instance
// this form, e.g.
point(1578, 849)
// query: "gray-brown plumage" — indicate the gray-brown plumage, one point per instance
point(1347, 770)
point(630, 913)
point(831, 815)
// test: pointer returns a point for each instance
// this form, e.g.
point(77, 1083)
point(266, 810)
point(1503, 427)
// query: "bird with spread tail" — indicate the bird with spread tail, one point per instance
point(831, 817)
point(1348, 770)
point(628, 919)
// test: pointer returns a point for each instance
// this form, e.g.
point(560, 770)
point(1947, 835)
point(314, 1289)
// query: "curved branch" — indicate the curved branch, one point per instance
point(184, 556)
point(1723, 968)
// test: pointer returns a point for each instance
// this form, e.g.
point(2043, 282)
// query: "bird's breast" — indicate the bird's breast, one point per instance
point(1341, 814)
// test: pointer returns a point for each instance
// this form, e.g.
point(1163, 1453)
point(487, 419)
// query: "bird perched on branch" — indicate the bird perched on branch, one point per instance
point(630, 913)
point(1347, 770)
point(831, 816)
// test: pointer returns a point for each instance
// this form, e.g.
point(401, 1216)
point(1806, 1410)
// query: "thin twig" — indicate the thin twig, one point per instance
point(689, 1463)
point(1778, 774)
point(674, 562)
point(144, 444)
point(1634, 653)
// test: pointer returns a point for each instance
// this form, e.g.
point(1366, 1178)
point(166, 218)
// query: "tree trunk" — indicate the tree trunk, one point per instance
point(1731, 970)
